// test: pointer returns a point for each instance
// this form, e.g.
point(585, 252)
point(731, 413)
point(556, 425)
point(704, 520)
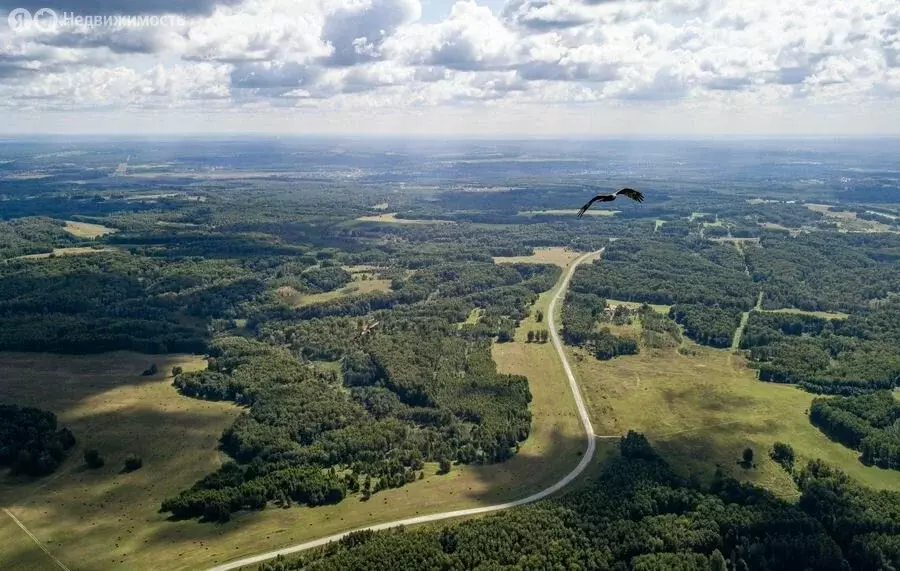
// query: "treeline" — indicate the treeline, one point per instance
point(869, 423)
point(580, 313)
point(830, 356)
point(711, 326)
point(639, 515)
point(30, 442)
point(234, 488)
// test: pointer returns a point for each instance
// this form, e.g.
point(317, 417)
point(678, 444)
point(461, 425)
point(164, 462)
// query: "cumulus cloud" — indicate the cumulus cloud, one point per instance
point(356, 31)
point(368, 53)
point(544, 15)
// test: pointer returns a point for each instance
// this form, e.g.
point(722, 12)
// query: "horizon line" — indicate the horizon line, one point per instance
point(454, 136)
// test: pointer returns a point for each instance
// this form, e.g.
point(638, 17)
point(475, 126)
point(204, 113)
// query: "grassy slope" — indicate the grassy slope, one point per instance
point(17, 551)
point(353, 288)
point(90, 519)
point(703, 410)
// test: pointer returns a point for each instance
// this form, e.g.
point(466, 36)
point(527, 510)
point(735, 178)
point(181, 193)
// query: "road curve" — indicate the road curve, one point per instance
point(565, 481)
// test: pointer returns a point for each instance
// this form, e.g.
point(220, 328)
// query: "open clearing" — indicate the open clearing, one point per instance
point(87, 230)
point(561, 257)
point(392, 218)
point(636, 304)
point(77, 251)
point(296, 299)
point(703, 410)
point(822, 314)
point(848, 220)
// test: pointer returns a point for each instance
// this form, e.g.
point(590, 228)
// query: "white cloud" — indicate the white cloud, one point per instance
point(337, 56)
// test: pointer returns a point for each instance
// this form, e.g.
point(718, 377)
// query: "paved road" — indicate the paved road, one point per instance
point(565, 481)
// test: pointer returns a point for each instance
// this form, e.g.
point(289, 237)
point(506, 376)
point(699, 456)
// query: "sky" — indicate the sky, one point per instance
point(444, 67)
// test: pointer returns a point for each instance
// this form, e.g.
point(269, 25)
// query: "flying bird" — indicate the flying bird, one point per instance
point(629, 192)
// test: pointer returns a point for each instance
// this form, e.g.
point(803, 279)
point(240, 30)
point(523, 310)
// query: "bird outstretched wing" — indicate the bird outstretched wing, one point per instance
point(588, 205)
point(632, 194)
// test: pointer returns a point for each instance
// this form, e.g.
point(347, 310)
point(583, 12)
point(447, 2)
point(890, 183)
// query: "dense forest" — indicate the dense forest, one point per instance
point(669, 271)
point(711, 326)
point(638, 515)
point(414, 386)
point(869, 423)
point(831, 356)
point(825, 271)
point(30, 442)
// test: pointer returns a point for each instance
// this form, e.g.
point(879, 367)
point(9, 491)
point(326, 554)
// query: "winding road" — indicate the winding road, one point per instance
point(565, 481)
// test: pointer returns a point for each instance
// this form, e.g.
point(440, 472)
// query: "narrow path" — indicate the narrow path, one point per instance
point(36, 541)
point(736, 342)
point(565, 481)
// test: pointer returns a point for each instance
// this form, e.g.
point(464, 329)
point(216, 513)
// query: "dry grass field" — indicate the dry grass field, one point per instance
point(87, 230)
point(391, 217)
point(76, 251)
point(561, 257)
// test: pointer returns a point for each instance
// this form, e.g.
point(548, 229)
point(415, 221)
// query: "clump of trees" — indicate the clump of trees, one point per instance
point(711, 326)
point(783, 455)
point(132, 462)
point(539, 336)
point(31, 444)
point(93, 459)
point(579, 315)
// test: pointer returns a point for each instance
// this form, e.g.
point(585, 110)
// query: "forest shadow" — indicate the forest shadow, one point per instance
point(526, 474)
point(104, 511)
point(65, 383)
